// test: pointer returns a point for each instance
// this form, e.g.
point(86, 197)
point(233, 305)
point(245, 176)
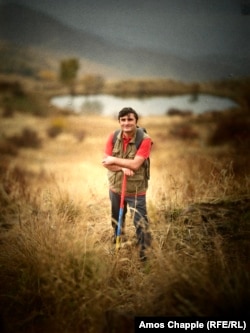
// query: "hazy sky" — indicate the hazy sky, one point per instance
point(182, 27)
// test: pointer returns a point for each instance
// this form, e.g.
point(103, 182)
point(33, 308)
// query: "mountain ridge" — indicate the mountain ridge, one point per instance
point(26, 27)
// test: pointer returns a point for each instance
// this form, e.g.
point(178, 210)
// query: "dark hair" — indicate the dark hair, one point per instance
point(126, 111)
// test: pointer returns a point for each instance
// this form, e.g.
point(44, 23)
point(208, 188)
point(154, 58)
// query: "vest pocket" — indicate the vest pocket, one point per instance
point(115, 180)
point(134, 187)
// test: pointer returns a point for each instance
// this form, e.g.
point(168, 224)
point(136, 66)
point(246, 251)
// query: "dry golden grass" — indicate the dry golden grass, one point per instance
point(59, 269)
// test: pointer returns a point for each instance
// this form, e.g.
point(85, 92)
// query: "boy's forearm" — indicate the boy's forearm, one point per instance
point(113, 167)
point(132, 164)
point(124, 163)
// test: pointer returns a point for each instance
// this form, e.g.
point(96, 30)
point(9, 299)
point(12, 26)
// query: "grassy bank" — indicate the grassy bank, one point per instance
point(59, 269)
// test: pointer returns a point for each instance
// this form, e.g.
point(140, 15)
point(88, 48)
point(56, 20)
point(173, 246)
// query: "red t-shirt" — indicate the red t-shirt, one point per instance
point(143, 150)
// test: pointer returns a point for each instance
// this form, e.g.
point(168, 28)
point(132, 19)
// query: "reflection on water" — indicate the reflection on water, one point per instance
point(90, 107)
point(109, 105)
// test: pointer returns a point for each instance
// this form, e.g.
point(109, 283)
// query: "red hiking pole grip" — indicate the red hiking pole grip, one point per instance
point(119, 226)
point(124, 183)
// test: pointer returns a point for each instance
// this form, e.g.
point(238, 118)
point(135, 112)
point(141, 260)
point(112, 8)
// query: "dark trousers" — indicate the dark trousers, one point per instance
point(137, 206)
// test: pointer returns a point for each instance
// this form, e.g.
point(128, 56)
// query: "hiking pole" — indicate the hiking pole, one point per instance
point(120, 219)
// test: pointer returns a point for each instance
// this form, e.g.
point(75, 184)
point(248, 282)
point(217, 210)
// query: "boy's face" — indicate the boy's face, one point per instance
point(128, 123)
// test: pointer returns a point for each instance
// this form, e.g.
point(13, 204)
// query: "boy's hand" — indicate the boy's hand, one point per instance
point(108, 160)
point(128, 172)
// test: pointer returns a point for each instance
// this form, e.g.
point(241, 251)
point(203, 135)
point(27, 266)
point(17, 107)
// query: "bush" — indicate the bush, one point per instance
point(234, 129)
point(184, 132)
point(28, 139)
point(7, 148)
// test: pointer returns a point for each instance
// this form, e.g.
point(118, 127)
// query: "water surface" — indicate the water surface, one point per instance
point(108, 105)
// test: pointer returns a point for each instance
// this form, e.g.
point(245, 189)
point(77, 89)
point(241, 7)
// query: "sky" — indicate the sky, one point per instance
point(178, 27)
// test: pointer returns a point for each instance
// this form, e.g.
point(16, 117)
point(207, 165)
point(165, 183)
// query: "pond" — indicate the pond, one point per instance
point(108, 105)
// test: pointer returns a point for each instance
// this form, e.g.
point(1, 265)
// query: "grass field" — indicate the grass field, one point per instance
point(60, 272)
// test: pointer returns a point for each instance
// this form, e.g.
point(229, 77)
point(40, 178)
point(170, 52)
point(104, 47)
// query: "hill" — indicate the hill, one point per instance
point(23, 27)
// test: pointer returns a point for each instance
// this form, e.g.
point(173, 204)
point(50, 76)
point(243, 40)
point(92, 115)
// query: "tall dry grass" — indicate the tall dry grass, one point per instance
point(59, 269)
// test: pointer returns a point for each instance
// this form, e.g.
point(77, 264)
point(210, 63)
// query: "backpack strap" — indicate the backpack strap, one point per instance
point(138, 139)
point(139, 136)
point(115, 137)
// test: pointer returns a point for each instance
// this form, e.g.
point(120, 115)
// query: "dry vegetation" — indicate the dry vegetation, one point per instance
point(59, 270)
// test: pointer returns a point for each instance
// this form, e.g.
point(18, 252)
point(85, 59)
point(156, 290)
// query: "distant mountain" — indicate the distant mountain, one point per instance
point(28, 28)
